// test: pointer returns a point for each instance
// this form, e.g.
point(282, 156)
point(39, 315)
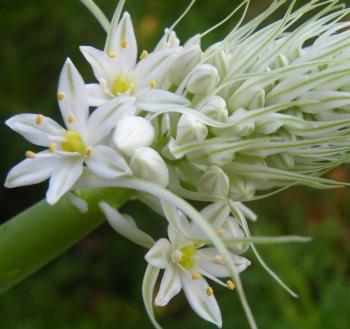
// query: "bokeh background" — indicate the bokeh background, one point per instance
point(97, 284)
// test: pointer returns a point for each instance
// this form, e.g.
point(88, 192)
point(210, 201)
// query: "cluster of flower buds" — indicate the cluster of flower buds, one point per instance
point(260, 110)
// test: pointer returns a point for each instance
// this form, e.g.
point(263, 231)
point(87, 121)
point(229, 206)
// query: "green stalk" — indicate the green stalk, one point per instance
point(39, 234)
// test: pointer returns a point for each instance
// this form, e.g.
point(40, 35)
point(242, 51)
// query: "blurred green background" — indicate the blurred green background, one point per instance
point(97, 284)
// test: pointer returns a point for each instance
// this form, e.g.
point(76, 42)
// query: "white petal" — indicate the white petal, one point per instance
point(105, 117)
point(206, 260)
point(68, 171)
point(74, 98)
point(103, 66)
point(154, 67)
point(78, 202)
point(196, 292)
point(36, 133)
point(158, 255)
point(155, 100)
point(216, 213)
point(178, 222)
point(148, 284)
point(107, 163)
point(97, 96)
point(170, 286)
point(32, 171)
point(126, 226)
point(123, 42)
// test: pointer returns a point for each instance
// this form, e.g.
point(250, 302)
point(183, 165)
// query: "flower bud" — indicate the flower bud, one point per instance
point(234, 231)
point(215, 108)
point(203, 79)
point(148, 164)
point(215, 182)
point(240, 129)
point(131, 133)
point(221, 62)
point(184, 62)
point(241, 189)
point(190, 130)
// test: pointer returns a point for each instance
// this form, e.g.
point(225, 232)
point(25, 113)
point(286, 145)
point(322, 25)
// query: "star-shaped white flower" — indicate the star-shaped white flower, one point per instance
point(186, 264)
point(118, 73)
point(68, 149)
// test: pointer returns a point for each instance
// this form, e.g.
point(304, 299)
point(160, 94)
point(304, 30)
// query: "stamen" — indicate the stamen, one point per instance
point(30, 155)
point(53, 147)
point(144, 54)
point(39, 119)
point(112, 54)
point(89, 152)
point(219, 259)
point(177, 256)
point(196, 276)
point(60, 96)
point(71, 118)
point(210, 291)
point(220, 232)
point(230, 285)
point(153, 84)
point(124, 43)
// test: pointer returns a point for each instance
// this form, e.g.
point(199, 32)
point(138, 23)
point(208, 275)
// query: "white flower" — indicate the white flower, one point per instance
point(70, 148)
point(118, 72)
point(186, 265)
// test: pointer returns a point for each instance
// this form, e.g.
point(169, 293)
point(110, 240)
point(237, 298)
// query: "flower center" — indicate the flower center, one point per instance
point(73, 143)
point(122, 84)
point(188, 254)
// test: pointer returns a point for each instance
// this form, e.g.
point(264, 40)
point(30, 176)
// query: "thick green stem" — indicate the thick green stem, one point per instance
point(38, 235)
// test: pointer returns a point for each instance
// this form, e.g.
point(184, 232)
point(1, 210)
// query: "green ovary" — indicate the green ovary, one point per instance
point(73, 142)
point(122, 84)
point(188, 257)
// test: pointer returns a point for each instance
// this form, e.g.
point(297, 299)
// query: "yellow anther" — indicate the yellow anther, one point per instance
point(153, 84)
point(219, 259)
point(196, 276)
point(220, 232)
point(198, 244)
point(53, 147)
point(30, 155)
point(112, 53)
point(39, 119)
point(71, 118)
point(230, 285)
point(124, 43)
point(144, 54)
point(210, 291)
point(89, 152)
point(60, 96)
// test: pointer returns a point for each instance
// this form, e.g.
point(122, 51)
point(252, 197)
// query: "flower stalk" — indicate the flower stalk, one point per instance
point(47, 231)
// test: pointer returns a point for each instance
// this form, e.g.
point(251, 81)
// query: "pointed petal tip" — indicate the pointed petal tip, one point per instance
point(160, 302)
point(126, 15)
